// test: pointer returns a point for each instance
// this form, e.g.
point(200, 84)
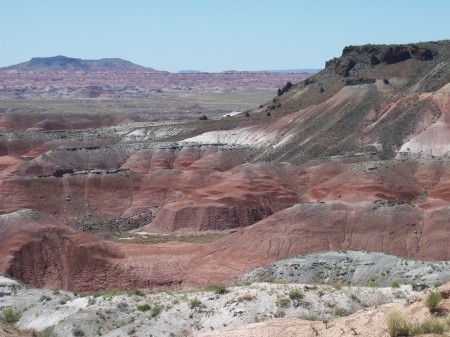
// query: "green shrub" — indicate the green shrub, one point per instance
point(143, 307)
point(397, 324)
point(45, 298)
point(295, 294)
point(56, 291)
point(11, 315)
point(433, 300)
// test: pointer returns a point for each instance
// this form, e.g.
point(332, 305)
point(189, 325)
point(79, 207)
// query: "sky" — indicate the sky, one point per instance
point(213, 35)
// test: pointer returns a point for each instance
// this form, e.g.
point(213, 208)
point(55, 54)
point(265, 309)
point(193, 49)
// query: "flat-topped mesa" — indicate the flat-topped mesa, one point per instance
point(376, 54)
point(61, 62)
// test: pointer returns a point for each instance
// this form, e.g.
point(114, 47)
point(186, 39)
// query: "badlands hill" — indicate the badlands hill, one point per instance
point(352, 157)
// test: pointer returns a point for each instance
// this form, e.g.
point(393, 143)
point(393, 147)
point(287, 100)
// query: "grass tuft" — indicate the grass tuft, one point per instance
point(433, 300)
point(144, 307)
point(11, 315)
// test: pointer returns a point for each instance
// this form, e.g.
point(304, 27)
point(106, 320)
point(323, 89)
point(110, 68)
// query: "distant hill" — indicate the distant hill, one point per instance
point(68, 63)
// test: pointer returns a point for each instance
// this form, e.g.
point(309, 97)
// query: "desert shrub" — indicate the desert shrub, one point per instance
point(122, 306)
point(279, 313)
point(138, 292)
point(341, 312)
point(313, 287)
point(143, 307)
point(338, 286)
point(218, 289)
point(195, 303)
point(56, 291)
point(108, 293)
point(418, 286)
point(77, 332)
point(395, 284)
point(429, 326)
point(48, 332)
point(284, 302)
point(80, 294)
point(295, 294)
point(372, 284)
point(246, 297)
point(11, 315)
point(433, 300)
point(45, 298)
point(203, 118)
point(156, 310)
point(285, 88)
point(399, 327)
point(397, 324)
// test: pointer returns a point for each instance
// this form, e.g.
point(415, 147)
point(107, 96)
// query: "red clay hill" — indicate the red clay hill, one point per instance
point(355, 156)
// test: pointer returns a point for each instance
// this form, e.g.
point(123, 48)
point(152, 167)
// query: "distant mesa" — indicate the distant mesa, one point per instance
point(189, 71)
point(61, 63)
point(312, 70)
point(76, 64)
point(286, 71)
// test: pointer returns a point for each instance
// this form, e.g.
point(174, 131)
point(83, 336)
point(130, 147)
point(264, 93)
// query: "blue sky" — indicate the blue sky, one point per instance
point(213, 35)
